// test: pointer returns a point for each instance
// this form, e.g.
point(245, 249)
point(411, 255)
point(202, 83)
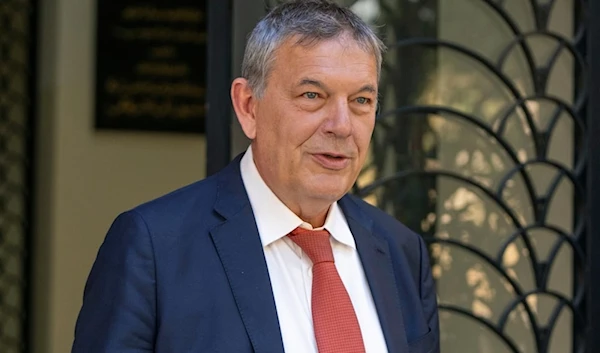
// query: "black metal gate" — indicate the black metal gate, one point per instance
point(17, 63)
point(482, 147)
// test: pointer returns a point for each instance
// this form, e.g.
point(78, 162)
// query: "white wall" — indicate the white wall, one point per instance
point(86, 177)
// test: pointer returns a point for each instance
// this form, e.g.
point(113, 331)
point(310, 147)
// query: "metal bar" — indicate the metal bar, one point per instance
point(28, 258)
point(580, 205)
point(246, 14)
point(593, 177)
point(218, 117)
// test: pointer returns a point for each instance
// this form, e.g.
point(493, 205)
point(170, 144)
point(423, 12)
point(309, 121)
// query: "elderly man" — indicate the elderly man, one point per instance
point(270, 254)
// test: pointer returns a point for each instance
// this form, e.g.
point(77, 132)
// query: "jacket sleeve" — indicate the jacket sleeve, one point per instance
point(119, 300)
point(429, 296)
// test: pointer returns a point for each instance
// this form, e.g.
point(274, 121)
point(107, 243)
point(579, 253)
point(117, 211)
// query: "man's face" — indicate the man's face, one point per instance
point(315, 119)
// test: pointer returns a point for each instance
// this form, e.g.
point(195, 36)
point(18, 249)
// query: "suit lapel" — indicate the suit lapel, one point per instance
point(240, 250)
point(377, 264)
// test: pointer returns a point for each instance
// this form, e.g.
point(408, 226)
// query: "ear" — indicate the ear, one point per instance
point(243, 100)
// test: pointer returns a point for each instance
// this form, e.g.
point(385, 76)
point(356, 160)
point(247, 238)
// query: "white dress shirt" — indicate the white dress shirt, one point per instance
point(291, 271)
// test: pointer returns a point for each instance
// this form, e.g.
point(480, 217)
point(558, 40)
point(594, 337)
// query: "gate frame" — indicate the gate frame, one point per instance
point(593, 179)
point(32, 114)
point(219, 54)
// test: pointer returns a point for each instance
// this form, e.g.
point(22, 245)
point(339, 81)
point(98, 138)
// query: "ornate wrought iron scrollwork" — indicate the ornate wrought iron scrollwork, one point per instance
point(402, 172)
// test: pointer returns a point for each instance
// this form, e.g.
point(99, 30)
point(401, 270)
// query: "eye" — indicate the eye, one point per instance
point(311, 95)
point(362, 100)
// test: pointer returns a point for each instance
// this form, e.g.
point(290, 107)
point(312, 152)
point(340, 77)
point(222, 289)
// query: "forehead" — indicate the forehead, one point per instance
point(339, 56)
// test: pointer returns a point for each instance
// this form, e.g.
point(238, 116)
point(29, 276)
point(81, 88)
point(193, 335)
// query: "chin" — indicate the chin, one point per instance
point(329, 190)
point(330, 186)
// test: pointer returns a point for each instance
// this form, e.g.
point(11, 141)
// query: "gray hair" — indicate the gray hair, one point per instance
point(311, 21)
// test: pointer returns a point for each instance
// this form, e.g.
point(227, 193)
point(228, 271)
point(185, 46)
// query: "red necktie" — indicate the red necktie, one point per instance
point(335, 323)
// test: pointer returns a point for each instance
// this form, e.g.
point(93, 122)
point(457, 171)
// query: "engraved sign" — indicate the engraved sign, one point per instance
point(151, 65)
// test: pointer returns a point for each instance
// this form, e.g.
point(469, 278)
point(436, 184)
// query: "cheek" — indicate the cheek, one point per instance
point(300, 131)
point(363, 132)
point(268, 131)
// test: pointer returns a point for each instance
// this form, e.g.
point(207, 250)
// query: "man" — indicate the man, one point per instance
point(270, 254)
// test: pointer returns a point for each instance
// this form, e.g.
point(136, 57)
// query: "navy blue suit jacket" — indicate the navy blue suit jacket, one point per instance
point(186, 273)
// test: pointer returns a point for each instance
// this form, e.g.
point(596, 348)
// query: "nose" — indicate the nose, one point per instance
point(339, 122)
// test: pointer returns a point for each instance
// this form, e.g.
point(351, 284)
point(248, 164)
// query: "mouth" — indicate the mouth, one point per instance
point(332, 161)
point(334, 155)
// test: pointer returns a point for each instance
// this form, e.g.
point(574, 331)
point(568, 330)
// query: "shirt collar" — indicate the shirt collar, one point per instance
point(274, 219)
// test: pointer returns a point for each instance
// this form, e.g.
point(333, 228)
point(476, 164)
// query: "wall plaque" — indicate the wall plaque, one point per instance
point(151, 65)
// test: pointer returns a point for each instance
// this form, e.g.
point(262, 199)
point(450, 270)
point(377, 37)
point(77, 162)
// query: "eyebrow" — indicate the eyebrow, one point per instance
point(311, 82)
point(368, 88)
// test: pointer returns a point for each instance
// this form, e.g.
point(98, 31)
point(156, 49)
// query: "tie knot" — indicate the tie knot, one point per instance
point(314, 243)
